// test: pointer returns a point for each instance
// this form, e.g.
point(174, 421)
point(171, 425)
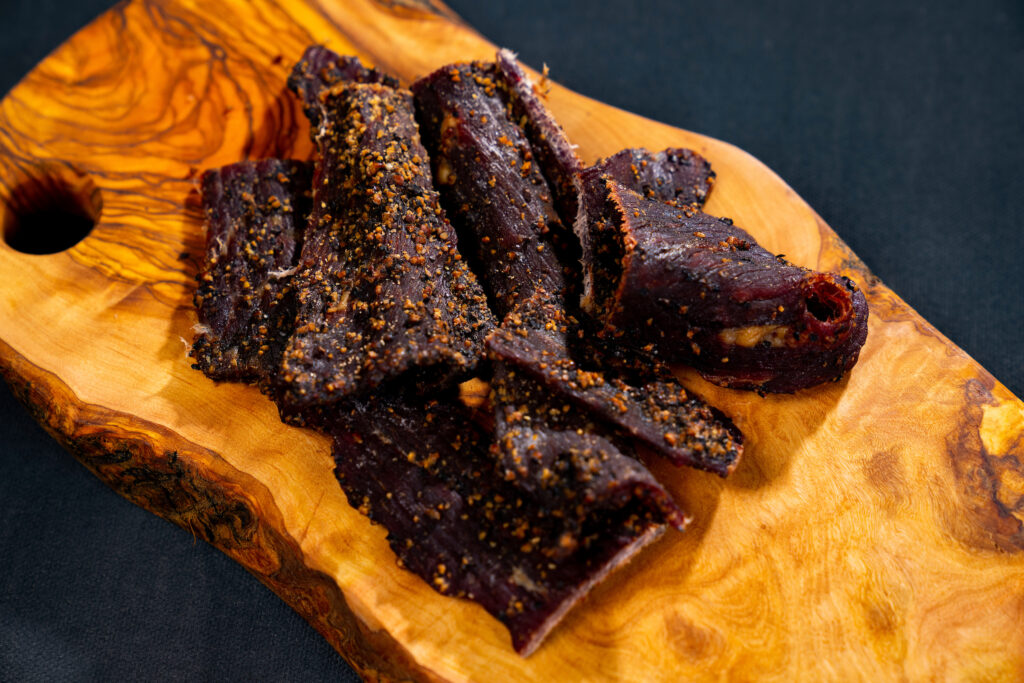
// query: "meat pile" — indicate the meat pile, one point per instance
point(449, 231)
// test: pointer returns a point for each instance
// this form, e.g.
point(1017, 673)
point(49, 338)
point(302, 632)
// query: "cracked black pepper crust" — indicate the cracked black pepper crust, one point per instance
point(256, 213)
point(383, 293)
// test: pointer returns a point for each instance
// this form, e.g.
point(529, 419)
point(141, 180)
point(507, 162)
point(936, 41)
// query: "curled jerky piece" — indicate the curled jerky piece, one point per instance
point(319, 70)
point(423, 470)
point(256, 213)
point(490, 183)
point(656, 412)
point(677, 176)
point(699, 290)
point(383, 293)
point(555, 154)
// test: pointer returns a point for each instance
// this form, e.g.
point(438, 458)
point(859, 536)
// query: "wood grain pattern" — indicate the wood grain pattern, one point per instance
point(874, 530)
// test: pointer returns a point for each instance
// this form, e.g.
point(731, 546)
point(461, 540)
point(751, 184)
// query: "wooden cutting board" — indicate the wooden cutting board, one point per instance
point(875, 528)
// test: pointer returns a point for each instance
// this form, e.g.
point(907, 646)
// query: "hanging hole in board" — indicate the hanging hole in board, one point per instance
point(49, 208)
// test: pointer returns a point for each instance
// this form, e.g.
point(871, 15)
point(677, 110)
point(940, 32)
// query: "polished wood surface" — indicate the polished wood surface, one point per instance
point(874, 530)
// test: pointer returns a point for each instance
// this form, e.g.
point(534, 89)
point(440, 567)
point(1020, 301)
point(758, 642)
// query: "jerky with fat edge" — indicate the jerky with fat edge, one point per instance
point(423, 470)
point(256, 213)
point(699, 290)
point(383, 293)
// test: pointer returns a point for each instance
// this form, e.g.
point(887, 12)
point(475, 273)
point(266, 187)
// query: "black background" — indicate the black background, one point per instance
point(901, 123)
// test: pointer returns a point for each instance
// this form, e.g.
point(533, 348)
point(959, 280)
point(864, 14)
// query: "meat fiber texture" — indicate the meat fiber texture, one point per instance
point(525, 548)
point(255, 218)
point(383, 293)
point(555, 154)
point(504, 208)
point(490, 184)
point(676, 176)
point(657, 412)
point(522, 516)
point(696, 289)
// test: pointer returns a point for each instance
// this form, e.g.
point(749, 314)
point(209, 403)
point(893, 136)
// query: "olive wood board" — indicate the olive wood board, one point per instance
point(874, 529)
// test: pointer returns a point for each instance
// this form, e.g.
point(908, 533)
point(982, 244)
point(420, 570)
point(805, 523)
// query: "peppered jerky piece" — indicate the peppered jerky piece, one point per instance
point(490, 184)
point(549, 449)
point(696, 289)
point(555, 154)
point(383, 294)
point(319, 70)
point(424, 470)
point(256, 213)
point(677, 176)
point(656, 412)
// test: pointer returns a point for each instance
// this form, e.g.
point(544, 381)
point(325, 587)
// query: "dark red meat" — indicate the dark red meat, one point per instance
point(656, 412)
point(319, 70)
point(256, 213)
point(699, 290)
point(555, 154)
point(490, 184)
point(384, 296)
point(677, 176)
point(526, 548)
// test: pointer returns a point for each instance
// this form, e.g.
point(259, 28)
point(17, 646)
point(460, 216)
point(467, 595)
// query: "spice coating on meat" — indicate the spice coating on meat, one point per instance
point(256, 213)
point(555, 154)
point(677, 176)
point(383, 294)
point(656, 412)
point(490, 184)
point(699, 290)
point(490, 187)
point(526, 554)
point(319, 70)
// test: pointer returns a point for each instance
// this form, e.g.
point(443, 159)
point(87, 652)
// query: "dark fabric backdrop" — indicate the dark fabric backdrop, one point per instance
point(899, 122)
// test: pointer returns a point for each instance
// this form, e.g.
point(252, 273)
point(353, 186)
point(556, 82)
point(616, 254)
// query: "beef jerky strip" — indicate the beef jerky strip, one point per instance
point(384, 296)
point(256, 213)
point(699, 290)
point(319, 70)
point(677, 176)
point(479, 158)
point(555, 154)
point(423, 470)
point(490, 184)
point(659, 414)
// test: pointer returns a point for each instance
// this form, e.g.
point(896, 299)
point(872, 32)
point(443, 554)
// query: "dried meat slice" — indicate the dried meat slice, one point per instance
point(384, 296)
point(656, 411)
point(256, 214)
point(555, 154)
point(526, 549)
point(699, 290)
point(677, 176)
point(490, 184)
point(319, 70)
